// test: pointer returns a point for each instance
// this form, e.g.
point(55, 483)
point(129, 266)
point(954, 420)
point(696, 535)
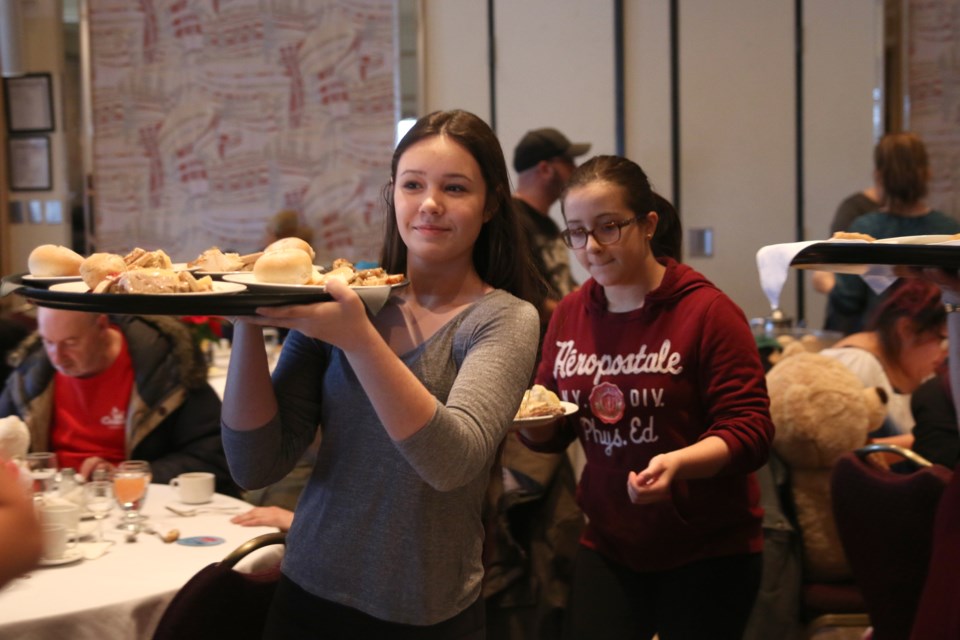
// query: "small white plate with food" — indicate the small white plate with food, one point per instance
point(541, 407)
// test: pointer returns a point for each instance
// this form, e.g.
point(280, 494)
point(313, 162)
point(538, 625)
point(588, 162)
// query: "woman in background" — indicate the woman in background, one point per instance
point(674, 418)
point(903, 171)
point(413, 402)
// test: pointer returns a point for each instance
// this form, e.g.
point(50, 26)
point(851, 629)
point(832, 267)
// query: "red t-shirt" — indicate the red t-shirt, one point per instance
point(90, 414)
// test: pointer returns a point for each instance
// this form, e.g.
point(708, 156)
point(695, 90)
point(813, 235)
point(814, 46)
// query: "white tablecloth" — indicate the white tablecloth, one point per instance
point(124, 593)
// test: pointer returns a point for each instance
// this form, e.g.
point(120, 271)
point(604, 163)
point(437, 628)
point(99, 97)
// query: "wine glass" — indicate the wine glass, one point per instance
point(43, 470)
point(143, 465)
point(130, 481)
point(98, 497)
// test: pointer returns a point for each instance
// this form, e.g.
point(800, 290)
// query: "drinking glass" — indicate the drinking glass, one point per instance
point(130, 481)
point(43, 470)
point(98, 497)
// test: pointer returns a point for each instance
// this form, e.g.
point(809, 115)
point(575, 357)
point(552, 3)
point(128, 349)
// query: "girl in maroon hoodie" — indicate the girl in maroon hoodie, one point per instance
point(673, 420)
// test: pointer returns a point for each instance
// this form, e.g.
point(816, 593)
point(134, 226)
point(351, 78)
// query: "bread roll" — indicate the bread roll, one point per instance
point(291, 243)
point(852, 235)
point(53, 261)
point(284, 266)
point(100, 265)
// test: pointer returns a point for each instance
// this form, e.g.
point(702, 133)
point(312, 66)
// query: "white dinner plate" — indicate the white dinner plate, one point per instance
point(49, 279)
point(216, 274)
point(374, 297)
point(569, 408)
point(218, 288)
point(250, 280)
point(71, 555)
point(928, 239)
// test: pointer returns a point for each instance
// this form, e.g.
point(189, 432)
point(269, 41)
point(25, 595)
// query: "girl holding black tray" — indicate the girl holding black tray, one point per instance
point(413, 403)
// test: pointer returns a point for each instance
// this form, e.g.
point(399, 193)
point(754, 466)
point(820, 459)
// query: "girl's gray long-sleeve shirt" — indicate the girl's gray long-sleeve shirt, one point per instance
point(394, 528)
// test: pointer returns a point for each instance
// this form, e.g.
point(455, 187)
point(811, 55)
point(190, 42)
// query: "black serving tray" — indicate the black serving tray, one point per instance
point(859, 257)
point(241, 303)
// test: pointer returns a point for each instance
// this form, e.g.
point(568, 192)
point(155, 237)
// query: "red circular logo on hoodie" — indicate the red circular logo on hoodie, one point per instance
point(607, 403)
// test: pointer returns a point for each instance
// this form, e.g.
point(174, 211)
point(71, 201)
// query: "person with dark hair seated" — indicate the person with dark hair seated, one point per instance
point(904, 344)
point(935, 435)
point(97, 390)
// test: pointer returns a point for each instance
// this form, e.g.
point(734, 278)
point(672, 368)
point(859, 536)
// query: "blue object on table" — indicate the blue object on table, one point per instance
point(201, 541)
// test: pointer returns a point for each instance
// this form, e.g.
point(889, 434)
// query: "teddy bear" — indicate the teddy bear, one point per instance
point(820, 410)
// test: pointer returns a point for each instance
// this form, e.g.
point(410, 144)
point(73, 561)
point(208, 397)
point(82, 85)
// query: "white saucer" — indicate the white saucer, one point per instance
point(71, 555)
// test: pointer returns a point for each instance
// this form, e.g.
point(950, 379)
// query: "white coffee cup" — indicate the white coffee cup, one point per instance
point(57, 540)
point(61, 512)
point(195, 487)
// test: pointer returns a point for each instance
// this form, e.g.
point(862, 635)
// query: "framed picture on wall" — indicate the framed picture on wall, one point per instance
point(29, 103)
point(28, 158)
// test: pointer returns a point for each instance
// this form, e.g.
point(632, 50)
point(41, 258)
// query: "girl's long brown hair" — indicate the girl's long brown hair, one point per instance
point(500, 254)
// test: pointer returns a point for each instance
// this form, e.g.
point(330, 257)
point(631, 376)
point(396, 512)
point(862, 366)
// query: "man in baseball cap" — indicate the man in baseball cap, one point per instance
point(544, 161)
point(542, 145)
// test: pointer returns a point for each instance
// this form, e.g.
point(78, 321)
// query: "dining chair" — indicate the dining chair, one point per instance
point(221, 602)
point(792, 602)
point(884, 519)
point(938, 612)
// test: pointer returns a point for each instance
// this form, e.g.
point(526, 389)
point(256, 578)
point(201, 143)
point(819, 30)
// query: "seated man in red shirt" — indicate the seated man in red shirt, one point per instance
point(97, 390)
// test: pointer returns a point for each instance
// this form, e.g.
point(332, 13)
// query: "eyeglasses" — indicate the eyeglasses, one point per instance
point(603, 233)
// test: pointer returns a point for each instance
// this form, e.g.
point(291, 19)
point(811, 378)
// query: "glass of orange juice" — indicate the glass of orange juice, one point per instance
point(130, 482)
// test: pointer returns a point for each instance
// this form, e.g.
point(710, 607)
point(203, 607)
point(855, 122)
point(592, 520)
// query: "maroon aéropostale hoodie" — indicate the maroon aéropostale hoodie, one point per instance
point(682, 367)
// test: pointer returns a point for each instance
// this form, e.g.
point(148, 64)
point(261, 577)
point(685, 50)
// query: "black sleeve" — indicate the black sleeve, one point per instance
point(936, 435)
point(189, 440)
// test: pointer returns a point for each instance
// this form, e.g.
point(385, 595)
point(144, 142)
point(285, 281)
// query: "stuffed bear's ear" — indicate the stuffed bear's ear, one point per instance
point(876, 401)
point(793, 349)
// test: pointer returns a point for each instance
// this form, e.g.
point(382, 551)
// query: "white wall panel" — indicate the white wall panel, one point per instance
point(737, 135)
point(555, 68)
point(647, 90)
point(737, 111)
point(455, 56)
point(843, 65)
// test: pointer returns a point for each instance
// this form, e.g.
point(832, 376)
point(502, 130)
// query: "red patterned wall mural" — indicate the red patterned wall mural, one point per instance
point(212, 115)
point(933, 82)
